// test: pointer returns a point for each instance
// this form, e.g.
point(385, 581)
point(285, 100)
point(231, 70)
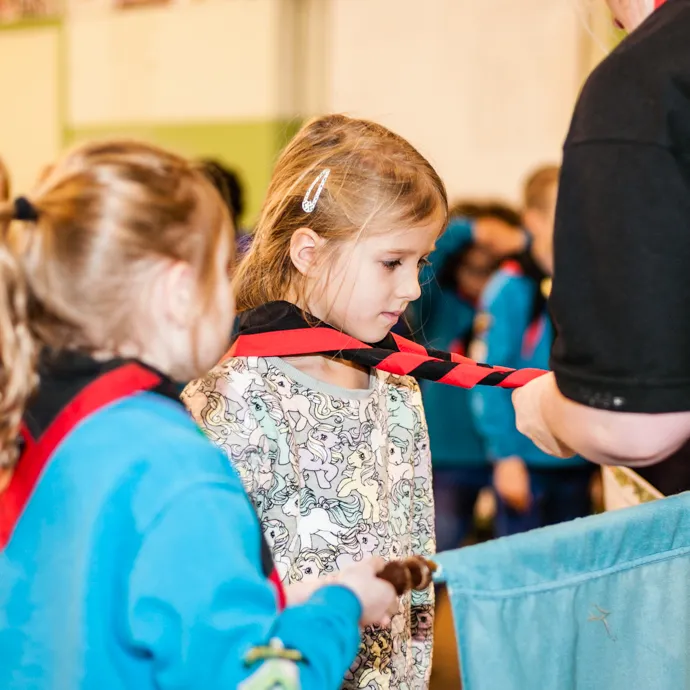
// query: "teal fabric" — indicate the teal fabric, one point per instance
point(598, 603)
point(442, 318)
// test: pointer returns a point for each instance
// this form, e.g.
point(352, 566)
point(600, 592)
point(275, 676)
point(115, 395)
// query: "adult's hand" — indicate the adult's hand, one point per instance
point(529, 404)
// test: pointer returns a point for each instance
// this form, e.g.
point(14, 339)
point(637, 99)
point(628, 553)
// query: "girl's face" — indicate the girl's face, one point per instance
point(368, 285)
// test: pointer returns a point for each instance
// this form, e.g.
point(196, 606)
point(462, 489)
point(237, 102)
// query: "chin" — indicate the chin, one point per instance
point(376, 334)
point(369, 332)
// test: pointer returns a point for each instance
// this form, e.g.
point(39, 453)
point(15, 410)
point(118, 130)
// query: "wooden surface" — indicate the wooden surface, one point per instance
point(445, 674)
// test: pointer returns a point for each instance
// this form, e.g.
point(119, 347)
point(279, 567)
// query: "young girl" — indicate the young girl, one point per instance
point(352, 213)
point(130, 556)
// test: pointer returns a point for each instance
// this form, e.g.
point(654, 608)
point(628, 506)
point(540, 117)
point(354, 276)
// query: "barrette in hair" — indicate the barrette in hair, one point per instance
point(24, 210)
point(309, 201)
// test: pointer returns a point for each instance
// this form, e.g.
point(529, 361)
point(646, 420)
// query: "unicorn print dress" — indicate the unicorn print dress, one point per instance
point(335, 475)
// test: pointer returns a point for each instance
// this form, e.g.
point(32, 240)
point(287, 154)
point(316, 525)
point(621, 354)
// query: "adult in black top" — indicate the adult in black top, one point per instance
point(621, 291)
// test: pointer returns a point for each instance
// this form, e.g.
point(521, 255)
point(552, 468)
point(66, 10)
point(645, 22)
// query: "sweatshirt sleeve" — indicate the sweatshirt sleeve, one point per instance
point(198, 601)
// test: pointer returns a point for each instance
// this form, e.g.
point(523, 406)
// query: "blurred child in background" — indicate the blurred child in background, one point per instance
point(514, 330)
point(466, 255)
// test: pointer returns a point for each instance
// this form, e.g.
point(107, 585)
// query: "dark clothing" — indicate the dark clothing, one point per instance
point(621, 294)
point(558, 495)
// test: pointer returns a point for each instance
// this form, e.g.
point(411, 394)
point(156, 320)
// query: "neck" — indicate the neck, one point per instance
point(543, 255)
point(337, 372)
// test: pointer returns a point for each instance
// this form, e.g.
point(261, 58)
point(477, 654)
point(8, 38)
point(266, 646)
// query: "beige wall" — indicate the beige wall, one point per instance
point(485, 88)
point(213, 60)
point(30, 114)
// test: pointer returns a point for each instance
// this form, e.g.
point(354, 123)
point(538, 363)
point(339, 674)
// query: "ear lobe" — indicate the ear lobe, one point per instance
point(304, 247)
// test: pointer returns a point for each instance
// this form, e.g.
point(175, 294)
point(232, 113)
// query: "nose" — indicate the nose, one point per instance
point(409, 289)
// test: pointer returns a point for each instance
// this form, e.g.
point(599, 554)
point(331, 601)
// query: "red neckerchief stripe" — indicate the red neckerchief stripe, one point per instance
point(279, 329)
point(291, 343)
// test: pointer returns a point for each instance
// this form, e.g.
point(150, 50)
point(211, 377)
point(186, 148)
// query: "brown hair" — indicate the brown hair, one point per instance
point(107, 213)
point(374, 176)
point(538, 185)
point(486, 209)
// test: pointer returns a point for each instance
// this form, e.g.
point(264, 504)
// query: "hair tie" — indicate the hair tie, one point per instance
point(25, 210)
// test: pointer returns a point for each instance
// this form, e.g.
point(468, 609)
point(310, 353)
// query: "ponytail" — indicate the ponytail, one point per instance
point(18, 374)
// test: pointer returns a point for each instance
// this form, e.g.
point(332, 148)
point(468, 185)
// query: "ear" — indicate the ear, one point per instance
point(175, 293)
point(304, 247)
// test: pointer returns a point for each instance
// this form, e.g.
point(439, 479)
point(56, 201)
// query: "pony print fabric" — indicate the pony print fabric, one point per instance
point(335, 475)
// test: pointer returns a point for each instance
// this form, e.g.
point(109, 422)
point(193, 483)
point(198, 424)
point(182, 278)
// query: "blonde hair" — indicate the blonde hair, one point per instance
point(538, 185)
point(107, 213)
point(374, 176)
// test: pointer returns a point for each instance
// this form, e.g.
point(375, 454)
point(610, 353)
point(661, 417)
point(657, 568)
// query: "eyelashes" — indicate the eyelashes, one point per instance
point(395, 263)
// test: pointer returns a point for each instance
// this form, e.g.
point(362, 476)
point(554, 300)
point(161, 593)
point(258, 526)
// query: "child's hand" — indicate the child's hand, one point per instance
point(377, 597)
point(511, 481)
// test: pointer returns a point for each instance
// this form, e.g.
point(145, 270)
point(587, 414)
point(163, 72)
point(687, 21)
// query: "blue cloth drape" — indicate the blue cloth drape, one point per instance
point(601, 602)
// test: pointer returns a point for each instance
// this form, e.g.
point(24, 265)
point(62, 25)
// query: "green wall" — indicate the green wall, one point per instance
point(251, 147)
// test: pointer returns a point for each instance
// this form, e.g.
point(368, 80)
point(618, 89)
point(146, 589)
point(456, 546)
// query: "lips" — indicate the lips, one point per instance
point(392, 315)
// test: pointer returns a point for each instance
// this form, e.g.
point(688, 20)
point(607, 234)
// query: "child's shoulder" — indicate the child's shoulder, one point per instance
point(149, 426)
point(149, 443)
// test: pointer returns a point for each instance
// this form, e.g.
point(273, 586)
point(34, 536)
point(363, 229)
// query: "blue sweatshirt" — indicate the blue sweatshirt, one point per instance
point(515, 332)
point(137, 565)
point(443, 319)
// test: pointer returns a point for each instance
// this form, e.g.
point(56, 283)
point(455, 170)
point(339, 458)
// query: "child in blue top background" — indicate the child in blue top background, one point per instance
point(465, 257)
point(514, 330)
point(133, 558)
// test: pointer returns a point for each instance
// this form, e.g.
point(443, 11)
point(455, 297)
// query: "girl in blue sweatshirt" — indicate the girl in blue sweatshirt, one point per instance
point(465, 257)
point(130, 556)
point(533, 489)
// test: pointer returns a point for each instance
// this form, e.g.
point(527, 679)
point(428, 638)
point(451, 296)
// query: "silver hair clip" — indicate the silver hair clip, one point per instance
point(309, 204)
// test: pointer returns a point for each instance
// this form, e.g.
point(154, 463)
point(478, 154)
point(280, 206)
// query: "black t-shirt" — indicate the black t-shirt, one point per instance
point(621, 291)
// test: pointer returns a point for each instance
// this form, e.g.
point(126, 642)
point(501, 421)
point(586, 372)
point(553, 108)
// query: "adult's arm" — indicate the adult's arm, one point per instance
point(563, 427)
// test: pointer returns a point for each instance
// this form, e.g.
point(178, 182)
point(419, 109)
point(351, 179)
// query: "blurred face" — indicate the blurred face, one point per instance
point(474, 272)
point(371, 280)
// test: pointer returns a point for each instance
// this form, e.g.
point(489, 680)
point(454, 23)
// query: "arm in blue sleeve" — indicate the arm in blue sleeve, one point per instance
point(506, 304)
point(198, 601)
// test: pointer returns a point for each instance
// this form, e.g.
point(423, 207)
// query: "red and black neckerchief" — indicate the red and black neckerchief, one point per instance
point(280, 329)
